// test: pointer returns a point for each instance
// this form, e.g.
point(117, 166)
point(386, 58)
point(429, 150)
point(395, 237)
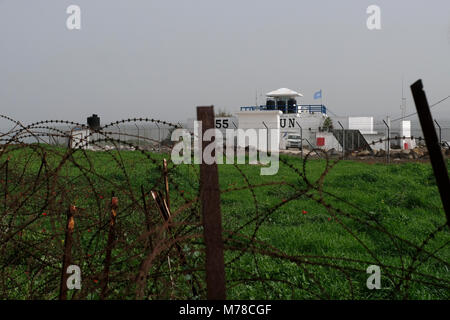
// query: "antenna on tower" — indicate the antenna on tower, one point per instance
point(403, 105)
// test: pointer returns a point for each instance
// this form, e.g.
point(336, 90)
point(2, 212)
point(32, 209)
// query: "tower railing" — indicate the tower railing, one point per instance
point(308, 108)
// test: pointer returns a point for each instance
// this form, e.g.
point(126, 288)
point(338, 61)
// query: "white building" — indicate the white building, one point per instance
point(294, 118)
point(79, 138)
point(283, 111)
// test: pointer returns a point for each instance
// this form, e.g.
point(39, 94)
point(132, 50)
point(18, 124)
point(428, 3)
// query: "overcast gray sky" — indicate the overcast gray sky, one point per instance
point(162, 58)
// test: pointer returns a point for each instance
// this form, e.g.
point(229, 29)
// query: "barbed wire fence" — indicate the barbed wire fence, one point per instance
point(133, 221)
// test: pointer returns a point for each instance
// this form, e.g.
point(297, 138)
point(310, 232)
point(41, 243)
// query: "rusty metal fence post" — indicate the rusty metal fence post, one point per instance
point(212, 218)
point(67, 257)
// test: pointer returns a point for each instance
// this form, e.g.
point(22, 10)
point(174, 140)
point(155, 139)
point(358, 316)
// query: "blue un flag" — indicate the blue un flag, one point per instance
point(318, 94)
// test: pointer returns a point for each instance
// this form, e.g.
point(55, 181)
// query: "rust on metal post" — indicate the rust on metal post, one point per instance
point(114, 206)
point(67, 257)
point(433, 146)
point(109, 246)
point(212, 218)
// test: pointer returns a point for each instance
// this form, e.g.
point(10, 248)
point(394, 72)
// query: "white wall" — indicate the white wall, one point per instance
point(255, 119)
point(363, 124)
point(285, 123)
point(306, 120)
point(405, 131)
point(80, 139)
point(330, 141)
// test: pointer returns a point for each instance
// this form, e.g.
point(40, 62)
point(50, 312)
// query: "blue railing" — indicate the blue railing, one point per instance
point(310, 108)
point(313, 108)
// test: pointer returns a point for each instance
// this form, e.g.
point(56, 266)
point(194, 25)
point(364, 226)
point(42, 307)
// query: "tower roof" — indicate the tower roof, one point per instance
point(284, 92)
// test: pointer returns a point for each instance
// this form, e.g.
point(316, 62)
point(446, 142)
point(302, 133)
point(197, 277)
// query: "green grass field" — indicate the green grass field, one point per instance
point(403, 199)
point(304, 243)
